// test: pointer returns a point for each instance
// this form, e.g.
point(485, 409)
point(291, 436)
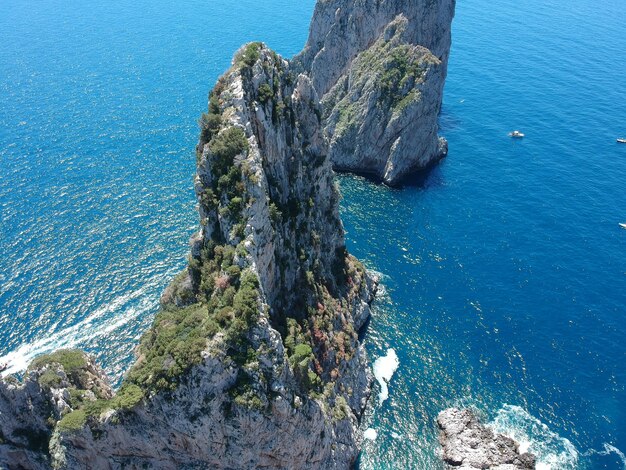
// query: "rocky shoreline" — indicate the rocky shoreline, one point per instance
point(469, 444)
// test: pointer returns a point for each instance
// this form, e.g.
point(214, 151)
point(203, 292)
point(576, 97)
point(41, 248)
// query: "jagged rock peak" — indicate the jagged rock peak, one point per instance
point(254, 359)
point(379, 67)
point(469, 444)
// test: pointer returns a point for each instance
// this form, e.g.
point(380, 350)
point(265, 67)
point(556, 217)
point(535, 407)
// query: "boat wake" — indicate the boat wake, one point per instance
point(100, 323)
point(553, 451)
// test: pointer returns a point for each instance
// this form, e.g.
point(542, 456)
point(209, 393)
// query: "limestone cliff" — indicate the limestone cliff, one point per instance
point(254, 360)
point(282, 377)
point(379, 67)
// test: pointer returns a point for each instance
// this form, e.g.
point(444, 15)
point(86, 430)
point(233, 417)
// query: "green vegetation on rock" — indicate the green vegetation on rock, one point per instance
point(72, 421)
point(266, 93)
point(210, 122)
point(248, 56)
point(72, 360)
point(401, 71)
point(179, 335)
point(225, 146)
point(392, 68)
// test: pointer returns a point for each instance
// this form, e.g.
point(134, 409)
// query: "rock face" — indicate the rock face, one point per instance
point(469, 444)
point(29, 410)
point(254, 360)
point(379, 67)
point(284, 387)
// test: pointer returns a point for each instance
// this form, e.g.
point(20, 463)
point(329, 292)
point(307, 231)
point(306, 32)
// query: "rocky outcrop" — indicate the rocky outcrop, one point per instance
point(254, 360)
point(469, 444)
point(29, 410)
point(379, 67)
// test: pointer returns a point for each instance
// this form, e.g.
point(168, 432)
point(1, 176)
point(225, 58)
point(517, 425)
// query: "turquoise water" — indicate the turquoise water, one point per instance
point(503, 268)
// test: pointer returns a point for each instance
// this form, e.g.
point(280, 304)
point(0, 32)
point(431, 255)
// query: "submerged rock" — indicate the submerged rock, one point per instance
point(467, 443)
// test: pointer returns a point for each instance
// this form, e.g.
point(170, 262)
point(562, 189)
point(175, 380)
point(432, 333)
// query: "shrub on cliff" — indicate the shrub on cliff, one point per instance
point(210, 123)
point(265, 93)
point(249, 55)
point(73, 421)
point(226, 146)
point(72, 360)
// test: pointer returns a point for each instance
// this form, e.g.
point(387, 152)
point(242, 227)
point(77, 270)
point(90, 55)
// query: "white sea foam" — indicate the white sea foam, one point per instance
point(384, 368)
point(370, 434)
point(553, 451)
point(608, 449)
point(97, 324)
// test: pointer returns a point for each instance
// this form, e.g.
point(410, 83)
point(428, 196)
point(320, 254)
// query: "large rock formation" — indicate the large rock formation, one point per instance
point(275, 302)
point(254, 360)
point(471, 445)
point(379, 67)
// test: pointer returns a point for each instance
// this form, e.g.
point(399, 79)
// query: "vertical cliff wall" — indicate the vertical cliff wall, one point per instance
point(254, 360)
point(379, 67)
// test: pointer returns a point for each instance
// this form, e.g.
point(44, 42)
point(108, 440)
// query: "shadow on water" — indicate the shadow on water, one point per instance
point(423, 178)
point(448, 121)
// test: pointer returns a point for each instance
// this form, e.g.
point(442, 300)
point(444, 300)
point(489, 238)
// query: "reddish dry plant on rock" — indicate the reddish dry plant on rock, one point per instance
point(222, 282)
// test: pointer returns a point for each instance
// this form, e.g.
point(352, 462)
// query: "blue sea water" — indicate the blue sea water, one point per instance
point(504, 276)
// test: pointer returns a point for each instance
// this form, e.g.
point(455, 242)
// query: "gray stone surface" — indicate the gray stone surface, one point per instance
point(29, 410)
point(469, 444)
point(351, 46)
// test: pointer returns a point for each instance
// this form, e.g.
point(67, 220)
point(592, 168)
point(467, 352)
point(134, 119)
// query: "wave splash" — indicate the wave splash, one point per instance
point(384, 368)
point(370, 434)
point(553, 451)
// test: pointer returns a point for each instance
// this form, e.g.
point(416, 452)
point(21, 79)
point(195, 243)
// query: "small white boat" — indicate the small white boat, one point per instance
point(622, 225)
point(621, 141)
point(516, 134)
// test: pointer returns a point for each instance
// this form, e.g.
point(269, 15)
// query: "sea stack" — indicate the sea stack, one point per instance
point(254, 359)
point(379, 68)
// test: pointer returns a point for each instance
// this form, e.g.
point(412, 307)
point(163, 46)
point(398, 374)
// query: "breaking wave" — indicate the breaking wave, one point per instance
point(101, 322)
point(384, 368)
point(553, 451)
point(370, 434)
point(608, 449)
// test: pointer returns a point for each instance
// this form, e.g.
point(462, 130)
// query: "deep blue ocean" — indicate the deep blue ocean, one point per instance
point(503, 268)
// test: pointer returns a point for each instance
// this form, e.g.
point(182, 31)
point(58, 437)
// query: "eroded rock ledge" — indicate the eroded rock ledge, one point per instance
point(469, 444)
